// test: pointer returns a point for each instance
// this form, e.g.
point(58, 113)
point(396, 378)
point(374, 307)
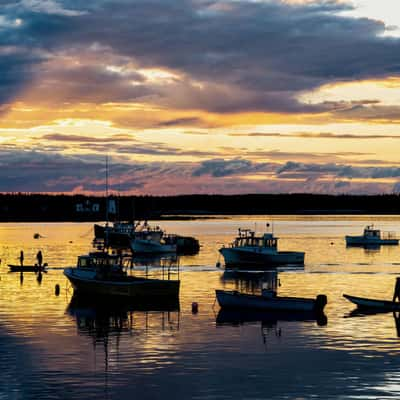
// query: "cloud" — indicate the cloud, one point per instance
point(223, 56)
point(220, 167)
point(318, 135)
point(35, 171)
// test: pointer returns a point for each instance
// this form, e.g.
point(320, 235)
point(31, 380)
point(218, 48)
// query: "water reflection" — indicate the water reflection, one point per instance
point(357, 312)
point(271, 318)
point(101, 318)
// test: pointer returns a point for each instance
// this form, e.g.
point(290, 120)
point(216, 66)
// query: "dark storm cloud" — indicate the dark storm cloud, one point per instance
point(338, 170)
point(123, 144)
point(220, 167)
point(34, 171)
point(247, 55)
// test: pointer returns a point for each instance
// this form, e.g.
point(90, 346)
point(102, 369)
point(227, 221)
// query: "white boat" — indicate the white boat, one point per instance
point(100, 273)
point(260, 252)
point(150, 240)
point(268, 301)
point(372, 237)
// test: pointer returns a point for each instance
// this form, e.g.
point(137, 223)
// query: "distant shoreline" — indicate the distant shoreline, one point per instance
point(21, 207)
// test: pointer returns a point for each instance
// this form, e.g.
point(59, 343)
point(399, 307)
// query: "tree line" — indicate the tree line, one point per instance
point(45, 207)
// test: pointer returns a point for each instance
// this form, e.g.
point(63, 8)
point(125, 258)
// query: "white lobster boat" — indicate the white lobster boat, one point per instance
point(372, 237)
point(258, 252)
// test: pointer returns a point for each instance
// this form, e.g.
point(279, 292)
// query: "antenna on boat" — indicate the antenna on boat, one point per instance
point(107, 190)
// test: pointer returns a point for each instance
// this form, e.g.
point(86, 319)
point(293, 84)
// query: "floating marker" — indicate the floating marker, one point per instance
point(57, 289)
point(195, 308)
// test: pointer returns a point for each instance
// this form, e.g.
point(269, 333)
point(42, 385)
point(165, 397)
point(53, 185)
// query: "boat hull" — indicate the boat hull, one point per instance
point(142, 246)
point(363, 241)
point(373, 304)
point(26, 268)
point(237, 258)
point(236, 300)
point(130, 287)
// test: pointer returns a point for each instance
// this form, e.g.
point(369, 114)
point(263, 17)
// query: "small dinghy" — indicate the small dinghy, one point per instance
point(27, 268)
point(366, 303)
point(235, 299)
point(378, 305)
point(268, 299)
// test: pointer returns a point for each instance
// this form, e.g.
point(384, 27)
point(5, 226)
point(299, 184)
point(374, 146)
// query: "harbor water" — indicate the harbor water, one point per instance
point(54, 347)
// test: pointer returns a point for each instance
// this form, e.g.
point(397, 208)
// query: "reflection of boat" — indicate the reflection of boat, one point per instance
point(104, 274)
point(366, 303)
point(27, 268)
point(239, 317)
point(261, 252)
point(372, 237)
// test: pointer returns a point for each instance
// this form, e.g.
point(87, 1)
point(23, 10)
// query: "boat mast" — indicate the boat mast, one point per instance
point(107, 190)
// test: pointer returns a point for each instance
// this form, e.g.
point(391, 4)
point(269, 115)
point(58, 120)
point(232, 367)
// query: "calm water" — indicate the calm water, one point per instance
point(56, 348)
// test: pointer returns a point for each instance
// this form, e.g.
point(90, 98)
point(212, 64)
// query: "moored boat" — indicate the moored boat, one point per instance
point(367, 303)
point(268, 298)
point(27, 268)
point(258, 252)
point(372, 237)
point(100, 273)
point(235, 299)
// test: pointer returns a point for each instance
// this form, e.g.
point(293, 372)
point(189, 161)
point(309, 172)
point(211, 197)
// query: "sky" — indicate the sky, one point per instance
point(200, 96)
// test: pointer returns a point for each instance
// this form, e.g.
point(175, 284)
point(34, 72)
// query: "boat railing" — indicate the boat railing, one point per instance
point(168, 269)
point(388, 235)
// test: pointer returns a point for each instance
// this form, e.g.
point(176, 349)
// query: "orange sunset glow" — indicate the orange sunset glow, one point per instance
point(188, 96)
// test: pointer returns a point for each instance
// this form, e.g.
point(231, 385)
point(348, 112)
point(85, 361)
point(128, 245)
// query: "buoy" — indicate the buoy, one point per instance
point(195, 308)
point(57, 289)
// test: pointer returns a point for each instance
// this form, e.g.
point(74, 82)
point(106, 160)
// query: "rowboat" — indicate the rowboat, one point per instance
point(268, 300)
point(27, 268)
point(375, 304)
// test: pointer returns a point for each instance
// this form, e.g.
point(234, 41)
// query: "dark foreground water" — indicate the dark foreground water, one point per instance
point(57, 347)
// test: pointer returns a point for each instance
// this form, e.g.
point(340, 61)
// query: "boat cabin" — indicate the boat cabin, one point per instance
point(247, 238)
point(371, 232)
point(100, 260)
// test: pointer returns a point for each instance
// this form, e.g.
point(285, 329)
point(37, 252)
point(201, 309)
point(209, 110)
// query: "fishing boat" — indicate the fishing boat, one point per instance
point(375, 304)
point(27, 268)
point(268, 298)
point(101, 273)
point(152, 240)
point(372, 237)
point(258, 252)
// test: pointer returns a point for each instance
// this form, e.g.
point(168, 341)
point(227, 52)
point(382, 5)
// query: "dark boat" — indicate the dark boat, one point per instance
point(100, 273)
point(375, 304)
point(268, 298)
point(27, 268)
point(236, 300)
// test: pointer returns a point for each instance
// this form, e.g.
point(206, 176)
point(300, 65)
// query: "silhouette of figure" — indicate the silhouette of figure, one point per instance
point(39, 258)
point(396, 294)
point(21, 258)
